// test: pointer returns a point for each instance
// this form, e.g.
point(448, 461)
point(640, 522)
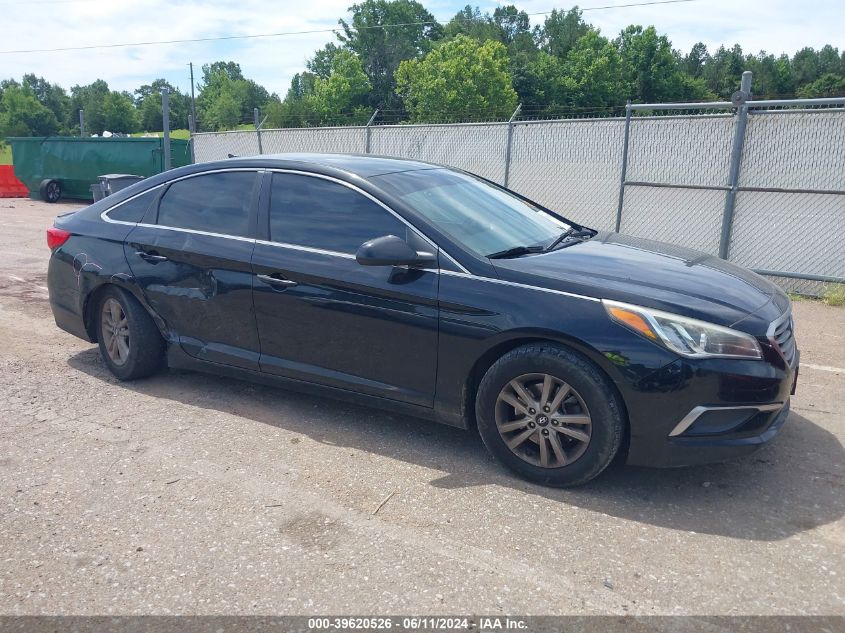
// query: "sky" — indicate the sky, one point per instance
point(775, 26)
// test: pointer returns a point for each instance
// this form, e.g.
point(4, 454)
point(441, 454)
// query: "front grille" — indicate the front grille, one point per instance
point(783, 336)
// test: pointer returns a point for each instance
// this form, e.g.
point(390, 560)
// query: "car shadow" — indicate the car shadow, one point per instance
point(792, 485)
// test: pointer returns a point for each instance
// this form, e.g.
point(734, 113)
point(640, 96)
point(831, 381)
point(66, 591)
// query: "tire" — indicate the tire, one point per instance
point(142, 351)
point(50, 190)
point(550, 455)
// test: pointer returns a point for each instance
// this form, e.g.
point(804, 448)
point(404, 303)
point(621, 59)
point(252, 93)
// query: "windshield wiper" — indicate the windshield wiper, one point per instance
point(516, 251)
point(570, 233)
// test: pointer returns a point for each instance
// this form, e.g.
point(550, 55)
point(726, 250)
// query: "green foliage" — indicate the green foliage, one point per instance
point(381, 50)
point(468, 69)
point(226, 98)
point(457, 79)
point(119, 113)
point(21, 114)
point(828, 85)
point(345, 90)
point(561, 30)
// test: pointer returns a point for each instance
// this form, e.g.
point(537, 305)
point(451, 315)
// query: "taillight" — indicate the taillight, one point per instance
point(56, 237)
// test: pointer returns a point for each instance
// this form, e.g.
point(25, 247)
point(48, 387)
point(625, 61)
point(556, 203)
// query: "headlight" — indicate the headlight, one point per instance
point(688, 337)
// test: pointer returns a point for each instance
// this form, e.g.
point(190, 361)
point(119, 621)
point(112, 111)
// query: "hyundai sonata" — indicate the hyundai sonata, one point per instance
point(436, 293)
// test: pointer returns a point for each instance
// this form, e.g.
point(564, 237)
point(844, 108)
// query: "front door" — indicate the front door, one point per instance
point(322, 317)
point(191, 258)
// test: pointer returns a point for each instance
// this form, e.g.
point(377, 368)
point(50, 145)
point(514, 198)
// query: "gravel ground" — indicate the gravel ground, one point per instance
point(190, 494)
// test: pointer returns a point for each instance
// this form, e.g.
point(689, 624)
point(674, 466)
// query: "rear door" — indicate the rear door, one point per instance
point(191, 257)
point(323, 317)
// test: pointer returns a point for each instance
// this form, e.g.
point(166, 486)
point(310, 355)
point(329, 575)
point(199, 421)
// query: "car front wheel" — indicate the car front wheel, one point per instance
point(130, 343)
point(550, 415)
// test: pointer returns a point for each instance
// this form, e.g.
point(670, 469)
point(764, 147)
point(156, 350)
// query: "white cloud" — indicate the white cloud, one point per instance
point(774, 25)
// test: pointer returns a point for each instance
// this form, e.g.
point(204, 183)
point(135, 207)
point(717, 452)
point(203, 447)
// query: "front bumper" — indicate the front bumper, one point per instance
point(697, 412)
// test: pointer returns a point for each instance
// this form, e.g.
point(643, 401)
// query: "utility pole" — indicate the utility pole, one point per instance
point(193, 104)
point(82, 123)
point(165, 123)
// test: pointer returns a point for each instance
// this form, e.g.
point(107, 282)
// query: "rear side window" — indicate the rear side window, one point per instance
point(215, 203)
point(319, 213)
point(134, 209)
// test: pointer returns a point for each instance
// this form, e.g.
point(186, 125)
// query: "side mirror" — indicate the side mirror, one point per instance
point(391, 251)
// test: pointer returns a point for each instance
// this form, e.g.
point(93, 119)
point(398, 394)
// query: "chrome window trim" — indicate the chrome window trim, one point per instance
point(306, 249)
point(349, 185)
point(260, 170)
point(696, 412)
point(519, 285)
point(104, 214)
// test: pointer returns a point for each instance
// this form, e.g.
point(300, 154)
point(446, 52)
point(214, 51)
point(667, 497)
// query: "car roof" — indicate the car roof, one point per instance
point(363, 165)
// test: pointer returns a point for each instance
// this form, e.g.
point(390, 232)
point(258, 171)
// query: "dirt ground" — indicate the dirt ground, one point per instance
point(187, 493)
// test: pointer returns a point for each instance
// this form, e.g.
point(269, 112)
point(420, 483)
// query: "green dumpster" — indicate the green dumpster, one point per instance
point(63, 166)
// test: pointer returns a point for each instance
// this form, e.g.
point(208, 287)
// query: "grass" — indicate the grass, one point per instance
point(180, 134)
point(5, 154)
point(833, 294)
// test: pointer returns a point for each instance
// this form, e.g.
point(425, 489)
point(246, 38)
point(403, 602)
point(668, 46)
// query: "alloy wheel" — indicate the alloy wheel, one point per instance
point(54, 191)
point(543, 420)
point(115, 331)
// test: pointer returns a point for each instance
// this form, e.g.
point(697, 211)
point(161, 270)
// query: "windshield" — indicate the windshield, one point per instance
point(481, 217)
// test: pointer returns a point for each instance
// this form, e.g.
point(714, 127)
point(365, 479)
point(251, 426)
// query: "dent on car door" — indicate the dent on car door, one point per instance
point(191, 259)
point(322, 317)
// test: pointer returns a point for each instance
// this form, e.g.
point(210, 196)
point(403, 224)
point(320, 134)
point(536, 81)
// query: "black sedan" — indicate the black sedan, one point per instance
point(436, 293)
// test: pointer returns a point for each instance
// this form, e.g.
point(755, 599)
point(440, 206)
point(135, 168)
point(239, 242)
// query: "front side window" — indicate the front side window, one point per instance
point(319, 213)
point(484, 218)
point(214, 203)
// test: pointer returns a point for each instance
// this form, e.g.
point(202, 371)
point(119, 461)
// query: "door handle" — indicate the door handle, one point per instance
point(151, 257)
point(278, 281)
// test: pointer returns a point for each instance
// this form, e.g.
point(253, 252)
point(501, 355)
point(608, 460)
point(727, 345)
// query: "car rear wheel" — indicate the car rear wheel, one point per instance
point(130, 343)
point(50, 190)
point(550, 415)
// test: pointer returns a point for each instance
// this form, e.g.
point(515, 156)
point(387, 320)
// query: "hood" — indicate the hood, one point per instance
point(653, 274)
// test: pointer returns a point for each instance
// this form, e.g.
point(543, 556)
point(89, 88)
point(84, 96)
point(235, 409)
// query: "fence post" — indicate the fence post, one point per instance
point(165, 125)
point(256, 113)
point(82, 123)
point(368, 131)
point(508, 146)
point(736, 161)
point(624, 173)
point(191, 131)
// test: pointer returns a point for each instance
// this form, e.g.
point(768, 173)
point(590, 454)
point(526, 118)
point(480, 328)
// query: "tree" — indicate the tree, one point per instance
point(694, 63)
point(723, 71)
point(148, 103)
point(344, 91)
point(471, 22)
point(805, 66)
point(381, 50)
point(321, 64)
point(51, 96)
point(649, 67)
point(89, 98)
point(118, 112)
point(224, 80)
point(560, 31)
point(21, 114)
point(828, 85)
point(511, 23)
point(459, 78)
point(594, 68)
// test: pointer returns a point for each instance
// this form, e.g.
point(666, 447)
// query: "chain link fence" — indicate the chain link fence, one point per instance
point(759, 183)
